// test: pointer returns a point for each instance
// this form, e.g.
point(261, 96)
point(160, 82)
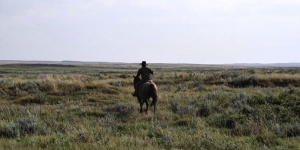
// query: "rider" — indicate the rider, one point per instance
point(145, 73)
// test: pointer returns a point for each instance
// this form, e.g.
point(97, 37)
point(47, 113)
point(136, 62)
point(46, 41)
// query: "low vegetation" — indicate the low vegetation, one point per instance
point(200, 107)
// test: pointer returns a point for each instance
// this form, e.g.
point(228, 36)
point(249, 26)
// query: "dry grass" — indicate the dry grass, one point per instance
point(91, 107)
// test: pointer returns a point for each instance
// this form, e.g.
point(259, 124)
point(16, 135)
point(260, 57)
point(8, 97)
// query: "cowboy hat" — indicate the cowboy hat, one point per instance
point(144, 63)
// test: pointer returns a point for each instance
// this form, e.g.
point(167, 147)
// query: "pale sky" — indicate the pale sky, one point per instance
point(157, 31)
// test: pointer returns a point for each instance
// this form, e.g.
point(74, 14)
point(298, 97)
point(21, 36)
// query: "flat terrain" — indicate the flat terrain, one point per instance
point(77, 105)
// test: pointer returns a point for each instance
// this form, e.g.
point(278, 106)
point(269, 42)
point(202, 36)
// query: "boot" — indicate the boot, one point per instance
point(135, 93)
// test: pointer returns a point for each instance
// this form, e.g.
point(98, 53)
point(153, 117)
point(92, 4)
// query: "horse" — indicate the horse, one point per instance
point(148, 90)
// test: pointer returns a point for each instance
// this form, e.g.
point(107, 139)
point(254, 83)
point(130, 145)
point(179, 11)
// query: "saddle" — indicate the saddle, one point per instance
point(141, 85)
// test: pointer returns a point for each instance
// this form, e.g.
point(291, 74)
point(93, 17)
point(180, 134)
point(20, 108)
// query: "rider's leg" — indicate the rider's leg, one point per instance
point(136, 89)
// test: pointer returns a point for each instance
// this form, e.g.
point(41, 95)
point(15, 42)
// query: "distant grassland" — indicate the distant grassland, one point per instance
point(101, 67)
point(73, 105)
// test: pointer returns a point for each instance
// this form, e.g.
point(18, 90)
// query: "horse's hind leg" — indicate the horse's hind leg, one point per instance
point(153, 103)
point(147, 105)
point(141, 105)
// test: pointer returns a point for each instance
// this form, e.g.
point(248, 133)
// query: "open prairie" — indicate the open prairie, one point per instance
point(73, 105)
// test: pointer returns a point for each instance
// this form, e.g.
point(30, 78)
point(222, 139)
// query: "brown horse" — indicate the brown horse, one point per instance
point(148, 90)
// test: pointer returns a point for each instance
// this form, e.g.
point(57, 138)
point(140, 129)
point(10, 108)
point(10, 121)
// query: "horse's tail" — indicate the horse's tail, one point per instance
point(154, 94)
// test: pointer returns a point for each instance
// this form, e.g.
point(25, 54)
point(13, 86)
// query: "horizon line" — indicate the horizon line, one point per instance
point(78, 61)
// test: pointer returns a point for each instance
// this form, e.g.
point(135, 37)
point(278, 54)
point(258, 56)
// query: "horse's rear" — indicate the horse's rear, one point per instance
point(153, 94)
point(148, 90)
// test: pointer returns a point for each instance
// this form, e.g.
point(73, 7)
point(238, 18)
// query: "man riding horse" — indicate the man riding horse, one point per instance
point(145, 73)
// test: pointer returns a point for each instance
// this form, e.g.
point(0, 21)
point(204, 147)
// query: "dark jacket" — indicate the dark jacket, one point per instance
point(145, 73)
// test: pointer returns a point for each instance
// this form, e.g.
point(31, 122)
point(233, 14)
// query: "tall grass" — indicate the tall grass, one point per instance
point(84, 107)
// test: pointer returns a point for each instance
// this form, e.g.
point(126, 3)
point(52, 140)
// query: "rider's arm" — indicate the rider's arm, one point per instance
point(138, 73)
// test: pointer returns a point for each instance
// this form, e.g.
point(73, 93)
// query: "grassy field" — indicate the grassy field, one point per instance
point(89, 106)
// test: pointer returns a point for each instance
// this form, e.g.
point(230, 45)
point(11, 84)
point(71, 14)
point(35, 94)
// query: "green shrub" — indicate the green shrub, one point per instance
point(243, 81)
point(22, 126)
point(206, 108)
point(46, 86)
point(124, 108)
point(161, 133)
point(274, 100)
point(41, 96)
point(174, 105)
point(223, 121)
point(217, 95)
point(267, 140)
point(69, 88)
point(187, 110)
point(108, 120)
point(257, 99)
point(247, 110)
point(30, 86)
point(29, 125)
point(181, 87)
point(121, 107)
point(239, 100)
point(199, 84)
point(241, 131)
point(116, 83)
point(296, 109)
point(293, 130)
point(9, 130)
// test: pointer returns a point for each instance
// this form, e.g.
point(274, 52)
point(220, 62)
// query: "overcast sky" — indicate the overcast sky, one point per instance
point(157, 31)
